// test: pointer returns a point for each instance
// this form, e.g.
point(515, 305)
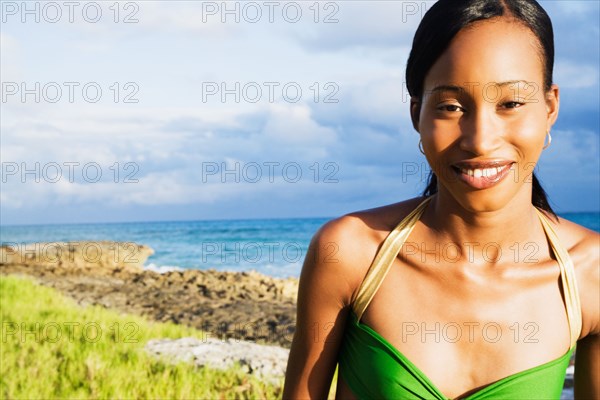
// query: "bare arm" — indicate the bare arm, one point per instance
point(587, 359)
point(323, 295)
point(587, 368)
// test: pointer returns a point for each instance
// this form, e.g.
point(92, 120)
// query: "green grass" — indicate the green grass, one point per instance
point(105, 360)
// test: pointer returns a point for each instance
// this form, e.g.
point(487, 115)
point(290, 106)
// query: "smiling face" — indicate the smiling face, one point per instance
point(484, 115)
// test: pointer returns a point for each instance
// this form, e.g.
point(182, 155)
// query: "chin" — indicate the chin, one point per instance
point(486, 200)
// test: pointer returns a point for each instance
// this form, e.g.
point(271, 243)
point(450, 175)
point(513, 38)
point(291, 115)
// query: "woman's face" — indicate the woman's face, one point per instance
point(484, 115)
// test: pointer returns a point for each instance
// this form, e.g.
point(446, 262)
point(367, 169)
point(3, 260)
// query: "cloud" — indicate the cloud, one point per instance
point(571, 8)
point(291, 127)
point(11, 58)
point(166, 155)
point(573, 151)
point(368, 24)
point(575, 22)
point(575, 76)
point(364, 139)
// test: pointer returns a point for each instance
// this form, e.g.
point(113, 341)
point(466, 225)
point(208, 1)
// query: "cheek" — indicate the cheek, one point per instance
point(438, 135)
point(527, 133)
point(444, 134)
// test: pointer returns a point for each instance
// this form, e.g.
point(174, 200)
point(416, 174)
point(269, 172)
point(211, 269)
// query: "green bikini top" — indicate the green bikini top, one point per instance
point(375, 369)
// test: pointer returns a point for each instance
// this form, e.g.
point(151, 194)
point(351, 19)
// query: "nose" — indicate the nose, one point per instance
point(482, 132)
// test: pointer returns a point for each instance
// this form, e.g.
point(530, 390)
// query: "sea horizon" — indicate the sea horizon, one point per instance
point(173, 220)
point(561, 214)
point(272, 246)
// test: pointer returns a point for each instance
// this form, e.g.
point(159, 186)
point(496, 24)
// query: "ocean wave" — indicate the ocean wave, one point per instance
point(161, 269)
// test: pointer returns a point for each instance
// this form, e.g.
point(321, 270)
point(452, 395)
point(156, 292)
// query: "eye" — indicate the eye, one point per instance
point(513, 104)
point(449, 107)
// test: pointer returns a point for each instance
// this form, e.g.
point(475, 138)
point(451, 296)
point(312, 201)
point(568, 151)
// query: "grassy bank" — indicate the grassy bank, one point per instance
point(53, 348)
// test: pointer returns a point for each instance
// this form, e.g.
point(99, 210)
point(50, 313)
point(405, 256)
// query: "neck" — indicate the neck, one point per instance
point(487, 237)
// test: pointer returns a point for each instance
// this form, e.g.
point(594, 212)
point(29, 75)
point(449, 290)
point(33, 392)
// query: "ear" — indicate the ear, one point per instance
point(552, 105)
point(415, 112)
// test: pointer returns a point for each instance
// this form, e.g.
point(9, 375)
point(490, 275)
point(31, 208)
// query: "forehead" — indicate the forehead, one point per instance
point(494, 50)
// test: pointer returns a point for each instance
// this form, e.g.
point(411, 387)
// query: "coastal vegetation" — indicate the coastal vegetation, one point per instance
point(54, 348)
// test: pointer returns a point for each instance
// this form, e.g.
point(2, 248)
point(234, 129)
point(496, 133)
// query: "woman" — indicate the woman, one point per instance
point(465, 292)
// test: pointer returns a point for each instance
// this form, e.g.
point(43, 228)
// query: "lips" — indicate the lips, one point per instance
point(482, 174)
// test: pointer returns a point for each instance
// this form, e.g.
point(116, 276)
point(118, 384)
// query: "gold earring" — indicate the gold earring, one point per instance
point(549, 141)
point(421, 147)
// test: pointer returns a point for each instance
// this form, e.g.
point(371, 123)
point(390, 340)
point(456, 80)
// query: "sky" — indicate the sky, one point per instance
point(184, 110)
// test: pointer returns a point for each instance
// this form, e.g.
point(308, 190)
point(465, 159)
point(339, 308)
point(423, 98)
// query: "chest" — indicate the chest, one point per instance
point(466, 331)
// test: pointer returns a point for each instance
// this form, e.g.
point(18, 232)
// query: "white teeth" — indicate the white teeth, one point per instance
point(488, 172)
point(478, 172)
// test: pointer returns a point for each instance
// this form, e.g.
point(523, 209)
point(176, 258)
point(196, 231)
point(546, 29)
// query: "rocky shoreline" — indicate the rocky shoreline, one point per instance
point(235, 307)
point(242, 306)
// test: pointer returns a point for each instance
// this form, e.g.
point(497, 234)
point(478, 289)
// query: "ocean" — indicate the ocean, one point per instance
point(275, 247)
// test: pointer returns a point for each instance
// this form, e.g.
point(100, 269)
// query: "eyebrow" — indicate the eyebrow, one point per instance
point(455, 88)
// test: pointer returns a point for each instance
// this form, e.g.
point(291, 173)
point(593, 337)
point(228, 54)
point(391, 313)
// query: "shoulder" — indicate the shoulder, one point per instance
point(583, 246)
point(581, 243)
point(355, 231)
point(337, 259)
point(345, 246)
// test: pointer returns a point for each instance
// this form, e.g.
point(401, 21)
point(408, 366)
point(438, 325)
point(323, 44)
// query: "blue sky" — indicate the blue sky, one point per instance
point(158, 141)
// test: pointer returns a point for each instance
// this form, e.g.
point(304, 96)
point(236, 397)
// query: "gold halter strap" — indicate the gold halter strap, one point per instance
point(568, 280)
point(395, 240)
point(385, 258)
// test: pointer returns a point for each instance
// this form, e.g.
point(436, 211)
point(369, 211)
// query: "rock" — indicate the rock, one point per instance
point(267, 362)
point(570, 377)
point(88, 257)
point(246, 305)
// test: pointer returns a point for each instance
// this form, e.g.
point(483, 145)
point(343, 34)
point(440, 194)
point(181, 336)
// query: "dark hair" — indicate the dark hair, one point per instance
point(445, 19)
